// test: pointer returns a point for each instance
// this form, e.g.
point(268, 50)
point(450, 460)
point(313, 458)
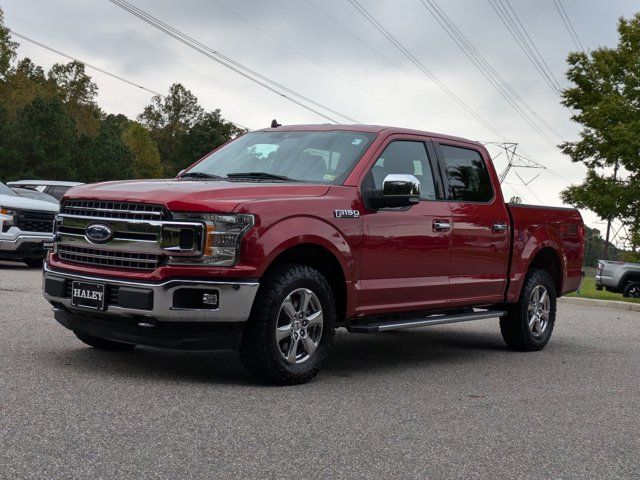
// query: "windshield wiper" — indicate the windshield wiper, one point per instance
point(260, 176)
point(202, 175)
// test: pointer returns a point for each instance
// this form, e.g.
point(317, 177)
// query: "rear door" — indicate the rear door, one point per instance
point(405, 259)
point(480, 234)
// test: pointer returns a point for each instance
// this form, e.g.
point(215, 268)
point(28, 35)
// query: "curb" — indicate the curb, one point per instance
point(591, 302)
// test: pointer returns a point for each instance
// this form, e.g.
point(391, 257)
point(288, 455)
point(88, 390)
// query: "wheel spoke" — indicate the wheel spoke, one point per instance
point(308, 345)
point(305, 297)
point(293, 351)
point(543, 297)
point(288, 308)
point(283, 332)
point(315, 319)
point(532, 321)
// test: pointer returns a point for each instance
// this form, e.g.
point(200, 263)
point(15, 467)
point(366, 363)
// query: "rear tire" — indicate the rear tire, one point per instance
point(103, 343)
point(632, 290)
point(529, 323)
point(291, 328)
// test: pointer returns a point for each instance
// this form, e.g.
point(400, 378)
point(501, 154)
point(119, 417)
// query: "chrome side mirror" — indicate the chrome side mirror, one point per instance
point(398, 190)
point(397, 185)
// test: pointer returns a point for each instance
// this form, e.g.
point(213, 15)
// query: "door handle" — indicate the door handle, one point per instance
point(499, 227)
point(441, 226)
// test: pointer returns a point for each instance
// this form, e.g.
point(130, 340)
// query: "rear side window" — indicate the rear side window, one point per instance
point(467, 174)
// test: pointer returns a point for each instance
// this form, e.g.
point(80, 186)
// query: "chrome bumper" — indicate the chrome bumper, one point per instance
point(13, 243)
point(234, 304)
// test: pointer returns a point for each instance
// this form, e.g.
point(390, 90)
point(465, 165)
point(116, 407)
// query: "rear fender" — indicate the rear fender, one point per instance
point(526, 246)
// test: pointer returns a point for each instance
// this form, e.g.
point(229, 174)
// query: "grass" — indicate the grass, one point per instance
point(588, 290)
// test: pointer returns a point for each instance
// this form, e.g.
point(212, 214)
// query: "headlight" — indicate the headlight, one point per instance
point(6, 218)
point(223, 234)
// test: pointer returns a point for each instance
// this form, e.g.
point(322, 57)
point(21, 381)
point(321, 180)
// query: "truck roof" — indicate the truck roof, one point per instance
point(365, 128)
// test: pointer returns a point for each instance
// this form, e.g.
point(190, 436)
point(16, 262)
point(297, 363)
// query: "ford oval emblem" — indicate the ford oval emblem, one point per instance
point(98, 233)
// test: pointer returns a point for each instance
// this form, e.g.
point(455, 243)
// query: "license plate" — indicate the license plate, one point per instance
point(88, 295)
point(47, 245)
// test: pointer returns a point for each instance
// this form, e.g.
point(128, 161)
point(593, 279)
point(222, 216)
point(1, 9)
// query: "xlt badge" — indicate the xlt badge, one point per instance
point(346, 213)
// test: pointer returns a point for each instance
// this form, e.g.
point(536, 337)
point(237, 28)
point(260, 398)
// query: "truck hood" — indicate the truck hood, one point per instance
point(194, 196)
point(23, 203)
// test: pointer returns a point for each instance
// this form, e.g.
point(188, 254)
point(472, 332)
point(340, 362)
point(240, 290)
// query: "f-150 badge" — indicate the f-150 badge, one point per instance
point(346, 213)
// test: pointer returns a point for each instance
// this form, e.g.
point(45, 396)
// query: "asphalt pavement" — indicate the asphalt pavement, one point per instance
point(446, 401)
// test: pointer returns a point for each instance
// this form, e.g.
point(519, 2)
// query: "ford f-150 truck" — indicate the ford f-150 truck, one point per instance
point(273, 241)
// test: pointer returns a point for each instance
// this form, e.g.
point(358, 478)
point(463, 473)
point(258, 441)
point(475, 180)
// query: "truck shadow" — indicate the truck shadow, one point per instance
point(351, 355)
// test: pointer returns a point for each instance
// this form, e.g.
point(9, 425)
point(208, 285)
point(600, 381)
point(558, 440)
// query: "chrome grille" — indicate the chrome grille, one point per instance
point(117, 210)
point(108, 258)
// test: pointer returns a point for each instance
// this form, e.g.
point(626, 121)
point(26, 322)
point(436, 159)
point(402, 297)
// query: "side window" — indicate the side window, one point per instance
point(467, 174)
point(406, 157)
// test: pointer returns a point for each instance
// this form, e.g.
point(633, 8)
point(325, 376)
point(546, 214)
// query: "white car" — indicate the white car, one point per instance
point(26, 227)
point(55, 188)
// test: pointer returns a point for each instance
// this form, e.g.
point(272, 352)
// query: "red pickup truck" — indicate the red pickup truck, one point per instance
point(278, 238)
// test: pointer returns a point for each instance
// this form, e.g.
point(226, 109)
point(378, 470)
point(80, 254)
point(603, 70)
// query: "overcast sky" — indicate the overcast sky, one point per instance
point(328, 51)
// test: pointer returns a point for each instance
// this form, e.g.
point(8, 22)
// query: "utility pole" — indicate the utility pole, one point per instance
point(606, 241)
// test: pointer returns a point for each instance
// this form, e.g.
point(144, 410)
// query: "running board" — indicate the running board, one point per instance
point(424, 322)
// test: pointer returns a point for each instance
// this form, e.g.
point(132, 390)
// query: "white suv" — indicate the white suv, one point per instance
point(26, 227)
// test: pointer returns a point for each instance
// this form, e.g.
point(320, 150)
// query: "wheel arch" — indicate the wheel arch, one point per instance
point(322, 259)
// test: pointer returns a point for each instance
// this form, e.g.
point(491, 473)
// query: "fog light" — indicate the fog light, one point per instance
point(210, 299)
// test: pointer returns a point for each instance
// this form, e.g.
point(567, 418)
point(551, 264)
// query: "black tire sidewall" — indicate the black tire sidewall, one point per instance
point(627, 290)
point(536, 278)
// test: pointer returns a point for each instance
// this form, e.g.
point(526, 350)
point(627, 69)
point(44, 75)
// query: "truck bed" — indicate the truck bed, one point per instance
point(537, 227)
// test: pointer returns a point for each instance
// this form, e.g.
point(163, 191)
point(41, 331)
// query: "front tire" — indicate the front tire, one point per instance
point(529, 323)
point(33, 262)
point(103, 343)
point(291, 328)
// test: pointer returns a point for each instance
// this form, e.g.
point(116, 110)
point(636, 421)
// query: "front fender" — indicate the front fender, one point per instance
point(299, 230)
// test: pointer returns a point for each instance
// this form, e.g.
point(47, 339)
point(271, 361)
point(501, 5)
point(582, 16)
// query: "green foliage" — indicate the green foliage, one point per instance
point(146, 159)
point(594, 248)
point(52, 128)
point(7, 47)
point(605, 99)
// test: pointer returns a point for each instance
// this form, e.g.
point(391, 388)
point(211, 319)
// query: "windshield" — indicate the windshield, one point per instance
point(4, 190)
point(317, 157)
point(35, 195)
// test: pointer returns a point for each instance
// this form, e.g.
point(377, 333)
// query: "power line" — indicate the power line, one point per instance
point(58, 52)
point(568, 24)
point(98, 69)
point(231, 64)
point(516, 28)
point(305, 56)
point(420, 66)
point(488, 71)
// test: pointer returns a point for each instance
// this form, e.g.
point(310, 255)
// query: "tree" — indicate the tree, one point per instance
point(146, 159)
point(169, 120)
point(7, 47)
point(78, 93)
point(206, 134)
point(605, 98)
point(45, 140)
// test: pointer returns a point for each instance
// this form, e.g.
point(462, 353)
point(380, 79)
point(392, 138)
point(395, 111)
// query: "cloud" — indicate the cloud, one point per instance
point(334, 56)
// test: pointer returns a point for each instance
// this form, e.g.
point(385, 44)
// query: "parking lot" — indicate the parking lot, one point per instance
point(445, 401)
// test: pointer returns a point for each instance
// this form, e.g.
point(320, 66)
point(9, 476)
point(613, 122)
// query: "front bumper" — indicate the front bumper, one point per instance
point(152, 303)
point(23, 245)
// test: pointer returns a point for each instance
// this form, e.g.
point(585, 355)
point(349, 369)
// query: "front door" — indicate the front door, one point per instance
point(405, 261)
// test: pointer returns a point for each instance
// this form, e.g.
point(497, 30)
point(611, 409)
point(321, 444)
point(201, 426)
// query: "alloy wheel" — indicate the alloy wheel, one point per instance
point(299, 326)
point(538, 311)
